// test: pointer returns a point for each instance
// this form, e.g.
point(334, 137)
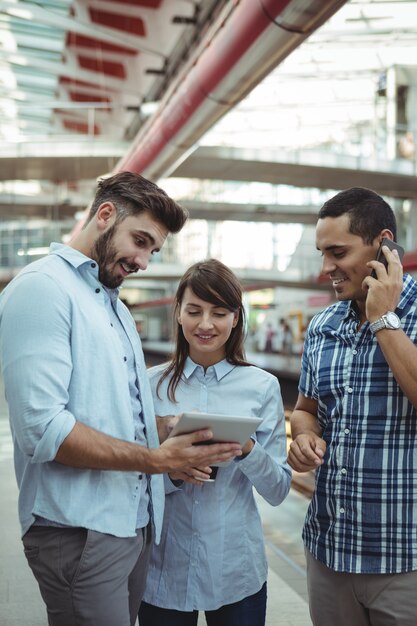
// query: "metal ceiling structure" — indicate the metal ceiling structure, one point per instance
point(395, 178)
point(87, 67)
point(93, 86)
point(78, 78)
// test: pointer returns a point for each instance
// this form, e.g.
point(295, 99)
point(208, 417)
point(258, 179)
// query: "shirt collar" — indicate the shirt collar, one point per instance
point(221, 368)
point(77, 259)
point(350, 310)
point(71, 255)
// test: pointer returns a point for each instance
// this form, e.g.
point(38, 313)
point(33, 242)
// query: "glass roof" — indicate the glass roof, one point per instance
point(328, 91)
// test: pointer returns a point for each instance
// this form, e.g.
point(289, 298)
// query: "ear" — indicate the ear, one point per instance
point(106, 215)
point(385, 233)
point(235, 319)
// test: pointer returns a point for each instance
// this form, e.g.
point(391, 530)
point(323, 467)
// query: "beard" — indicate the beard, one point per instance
point(105, 254)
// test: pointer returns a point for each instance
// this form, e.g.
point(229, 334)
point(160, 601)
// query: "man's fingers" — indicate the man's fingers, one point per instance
point(188, 477)
point(208, 455)
point(200, 436)
point(185, 451)
point(299, 465)
point(305, 454)
point(217, 452)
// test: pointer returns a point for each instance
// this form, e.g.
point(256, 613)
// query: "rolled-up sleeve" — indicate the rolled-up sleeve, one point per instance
point(35, 347)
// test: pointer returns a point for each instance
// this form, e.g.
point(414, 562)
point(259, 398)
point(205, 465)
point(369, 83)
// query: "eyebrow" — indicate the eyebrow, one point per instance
point(334, 247)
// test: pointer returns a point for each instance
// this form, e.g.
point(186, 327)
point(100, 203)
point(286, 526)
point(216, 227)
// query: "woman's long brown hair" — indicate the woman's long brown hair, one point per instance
point(212, 282)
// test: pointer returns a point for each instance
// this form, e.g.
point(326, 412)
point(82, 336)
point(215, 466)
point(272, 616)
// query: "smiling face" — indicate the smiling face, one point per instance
point(126, 247)
point(344, 257)
point(206, 328)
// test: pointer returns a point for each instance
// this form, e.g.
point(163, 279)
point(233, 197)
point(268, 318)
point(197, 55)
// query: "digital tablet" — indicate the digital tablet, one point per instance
point(225, 428)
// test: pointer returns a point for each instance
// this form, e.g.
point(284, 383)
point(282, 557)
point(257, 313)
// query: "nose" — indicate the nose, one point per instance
point(327, 266)
point(206, 321)
point(142, 260)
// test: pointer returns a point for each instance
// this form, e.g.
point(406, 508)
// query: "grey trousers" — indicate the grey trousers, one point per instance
point(341, 599)
point(88, 578)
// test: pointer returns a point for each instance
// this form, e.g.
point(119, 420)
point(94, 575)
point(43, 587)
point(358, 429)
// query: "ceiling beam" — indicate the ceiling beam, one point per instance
point(313, 169)
point(245, 212)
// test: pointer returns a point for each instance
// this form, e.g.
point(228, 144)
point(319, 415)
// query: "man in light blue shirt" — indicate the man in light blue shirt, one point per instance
point(81, 413)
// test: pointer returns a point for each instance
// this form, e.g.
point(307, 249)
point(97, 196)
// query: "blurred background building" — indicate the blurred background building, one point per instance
point(251, 113)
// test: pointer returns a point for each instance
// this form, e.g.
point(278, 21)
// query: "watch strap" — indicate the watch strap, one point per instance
point(377, 325)
point(390, 320)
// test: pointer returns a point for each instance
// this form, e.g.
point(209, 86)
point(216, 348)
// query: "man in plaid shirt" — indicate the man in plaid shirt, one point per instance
point(355, 423)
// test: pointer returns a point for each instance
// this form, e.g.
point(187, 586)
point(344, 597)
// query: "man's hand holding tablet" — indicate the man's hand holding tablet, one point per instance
point(225, 428)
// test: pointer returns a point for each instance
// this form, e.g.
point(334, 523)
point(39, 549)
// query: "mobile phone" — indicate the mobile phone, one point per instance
point(381, 256)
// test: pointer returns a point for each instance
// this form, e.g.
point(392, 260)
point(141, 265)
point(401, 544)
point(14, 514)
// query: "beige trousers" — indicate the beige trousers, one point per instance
point(341, 599)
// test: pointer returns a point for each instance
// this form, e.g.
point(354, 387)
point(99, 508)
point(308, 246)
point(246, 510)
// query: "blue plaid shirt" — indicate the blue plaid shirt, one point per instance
point(363, 515)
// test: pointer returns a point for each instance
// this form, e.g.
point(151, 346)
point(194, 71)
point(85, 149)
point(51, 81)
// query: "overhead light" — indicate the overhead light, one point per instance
point(23, 14)
point(149, 108)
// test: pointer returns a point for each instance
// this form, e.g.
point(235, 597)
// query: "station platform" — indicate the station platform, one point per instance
point(20, 601)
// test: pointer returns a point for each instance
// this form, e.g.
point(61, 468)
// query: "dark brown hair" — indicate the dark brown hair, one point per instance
point(213, 282)
point(132, 194)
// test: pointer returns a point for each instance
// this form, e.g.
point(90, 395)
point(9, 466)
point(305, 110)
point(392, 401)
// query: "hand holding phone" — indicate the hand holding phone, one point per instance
point(392, 245)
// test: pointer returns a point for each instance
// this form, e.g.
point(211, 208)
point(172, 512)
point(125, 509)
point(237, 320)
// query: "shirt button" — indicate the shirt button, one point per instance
point(349, 389)
point(98, 290)
point(341, 510)
point(140, 476)
point(343, 470)
point(93, 265)
point(195, 501)
point(347, 431)
point(111, 324)
point(125, 358)
point(354, 352)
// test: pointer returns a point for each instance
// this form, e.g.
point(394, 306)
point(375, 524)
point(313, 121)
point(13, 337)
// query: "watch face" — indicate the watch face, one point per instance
point(393, 320)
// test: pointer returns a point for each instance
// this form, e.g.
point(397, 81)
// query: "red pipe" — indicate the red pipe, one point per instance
point(249, 20)
point(245, 46)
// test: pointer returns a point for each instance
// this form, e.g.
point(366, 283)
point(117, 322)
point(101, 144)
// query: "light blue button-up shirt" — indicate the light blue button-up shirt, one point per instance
point(63, 361)
point(212, 549)
point(111, 299)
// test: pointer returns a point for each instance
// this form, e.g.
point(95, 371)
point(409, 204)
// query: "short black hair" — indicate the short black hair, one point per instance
point(368, 212)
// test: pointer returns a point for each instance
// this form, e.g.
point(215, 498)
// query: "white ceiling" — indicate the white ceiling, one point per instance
point(76, 72)
point(86, 67)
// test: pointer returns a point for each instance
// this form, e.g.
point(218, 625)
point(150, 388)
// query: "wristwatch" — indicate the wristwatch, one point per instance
point(390, 320)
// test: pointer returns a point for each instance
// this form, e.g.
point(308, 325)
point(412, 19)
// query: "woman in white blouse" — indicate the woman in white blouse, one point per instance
point(211, 556)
